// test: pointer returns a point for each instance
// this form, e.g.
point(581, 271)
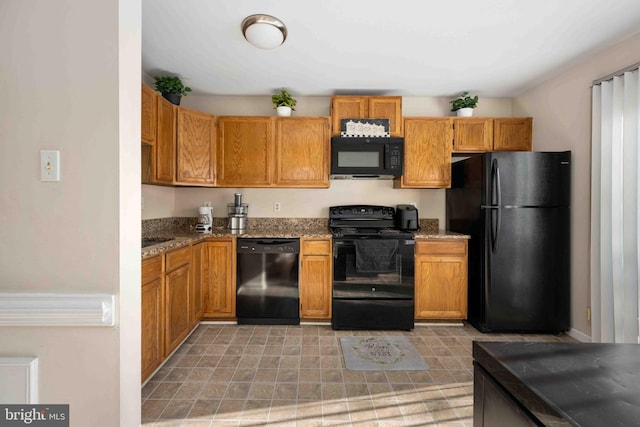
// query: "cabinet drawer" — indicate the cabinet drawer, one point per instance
point(316, 247)
point(151, 268)
point(178, 257)
point(441, 247)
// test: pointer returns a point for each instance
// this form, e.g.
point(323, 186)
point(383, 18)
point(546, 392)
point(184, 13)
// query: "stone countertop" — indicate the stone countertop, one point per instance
point(182, 233)
point(440, 234)
point(180, 237)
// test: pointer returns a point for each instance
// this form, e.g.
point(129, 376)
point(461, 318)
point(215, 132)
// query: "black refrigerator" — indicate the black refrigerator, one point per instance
point(515, 207)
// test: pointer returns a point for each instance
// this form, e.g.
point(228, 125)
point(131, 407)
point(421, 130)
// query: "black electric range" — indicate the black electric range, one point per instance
point(373, 269)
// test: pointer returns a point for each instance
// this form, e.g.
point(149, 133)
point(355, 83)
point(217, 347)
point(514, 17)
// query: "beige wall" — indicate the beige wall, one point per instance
point(561, 111)
point(71, 82)
point(160, 202)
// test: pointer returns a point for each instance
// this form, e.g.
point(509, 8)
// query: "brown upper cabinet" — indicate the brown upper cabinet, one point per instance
point(178, 144)
point(302, 152)
point(472, 134)
point(164, 161)
point(182, 150)
point(361, 107)
point(427, 153)
point(149, 109)
point(245, 151)
point(512, 134)
point(273, 152)
point(195, 143)
point(477, 135)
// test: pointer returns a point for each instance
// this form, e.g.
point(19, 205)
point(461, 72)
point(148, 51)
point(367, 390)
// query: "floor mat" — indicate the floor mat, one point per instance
point(381, 354)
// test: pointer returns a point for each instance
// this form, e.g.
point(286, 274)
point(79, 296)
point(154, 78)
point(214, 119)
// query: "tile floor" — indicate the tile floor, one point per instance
point(230, 375)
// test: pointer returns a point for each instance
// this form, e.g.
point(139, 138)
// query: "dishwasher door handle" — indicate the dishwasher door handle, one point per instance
point(274, 242)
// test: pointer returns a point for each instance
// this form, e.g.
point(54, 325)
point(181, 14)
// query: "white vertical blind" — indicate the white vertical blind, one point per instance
point(615, 186)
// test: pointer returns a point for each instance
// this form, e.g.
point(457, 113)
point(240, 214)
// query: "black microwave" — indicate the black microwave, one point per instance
point(362, 157)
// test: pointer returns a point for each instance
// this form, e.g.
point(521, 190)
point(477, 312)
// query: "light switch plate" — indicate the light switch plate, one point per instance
point(49, 165)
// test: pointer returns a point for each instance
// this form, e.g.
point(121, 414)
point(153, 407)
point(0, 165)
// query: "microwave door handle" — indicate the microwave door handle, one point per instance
point(387, 157)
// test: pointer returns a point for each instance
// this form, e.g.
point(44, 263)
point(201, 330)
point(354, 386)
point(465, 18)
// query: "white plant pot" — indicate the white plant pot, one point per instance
point(465, 112)
point(283, 111)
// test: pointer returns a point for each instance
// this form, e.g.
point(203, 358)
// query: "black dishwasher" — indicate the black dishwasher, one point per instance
point(267, 282)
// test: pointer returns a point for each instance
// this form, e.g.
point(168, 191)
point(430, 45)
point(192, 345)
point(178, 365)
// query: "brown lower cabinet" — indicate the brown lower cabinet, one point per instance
point(187, 284)
point(177, 284)
point(167, 306)
point(179, 288)
point(441, 279)
point(217, 266)
point(152, 342)
point(315, 278)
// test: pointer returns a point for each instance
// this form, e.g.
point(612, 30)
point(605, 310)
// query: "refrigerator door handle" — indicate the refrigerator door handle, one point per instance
point(495, 178)
point(495, 182)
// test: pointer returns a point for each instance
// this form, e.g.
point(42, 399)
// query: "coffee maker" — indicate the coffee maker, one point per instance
point(237, 212)
point(205, 219)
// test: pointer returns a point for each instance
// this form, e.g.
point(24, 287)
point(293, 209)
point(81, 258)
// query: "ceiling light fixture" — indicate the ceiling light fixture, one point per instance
point(264, 31)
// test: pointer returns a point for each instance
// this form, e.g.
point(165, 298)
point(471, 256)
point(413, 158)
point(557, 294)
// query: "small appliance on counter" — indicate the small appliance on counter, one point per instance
point(407, 217)
point(237, 212)
point(205, 219)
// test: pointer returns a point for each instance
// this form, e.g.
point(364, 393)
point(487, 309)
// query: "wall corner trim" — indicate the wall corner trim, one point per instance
point(19, 380)
point(49, 309)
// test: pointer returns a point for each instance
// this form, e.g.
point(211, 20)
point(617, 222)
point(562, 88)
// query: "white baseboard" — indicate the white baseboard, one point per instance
point(580, 336)
point(40, 309)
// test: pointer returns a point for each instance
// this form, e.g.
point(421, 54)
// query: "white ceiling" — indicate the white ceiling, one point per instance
point(493, 48)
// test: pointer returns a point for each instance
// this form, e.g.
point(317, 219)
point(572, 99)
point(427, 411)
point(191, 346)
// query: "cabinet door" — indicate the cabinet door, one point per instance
point(199, 270)
point(472, 135)
point(387, 107)
point(152, 315)
point(315, 279)
point(149, 112)
point(302, 152)
point(427, 153)
point(347, 107)
point(245, 151)
point(195, 148)
point(494, 407)
point(177, 316)
point(512, 134)
point(166, 142)
point(441, 279)
point(221, 279)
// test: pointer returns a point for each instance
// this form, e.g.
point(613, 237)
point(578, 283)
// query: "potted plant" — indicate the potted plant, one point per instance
point(171, 88)
point(283, 103)
point(464, 104)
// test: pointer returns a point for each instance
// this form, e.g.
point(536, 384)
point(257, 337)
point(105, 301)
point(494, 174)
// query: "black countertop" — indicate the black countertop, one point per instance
point(579, 384)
